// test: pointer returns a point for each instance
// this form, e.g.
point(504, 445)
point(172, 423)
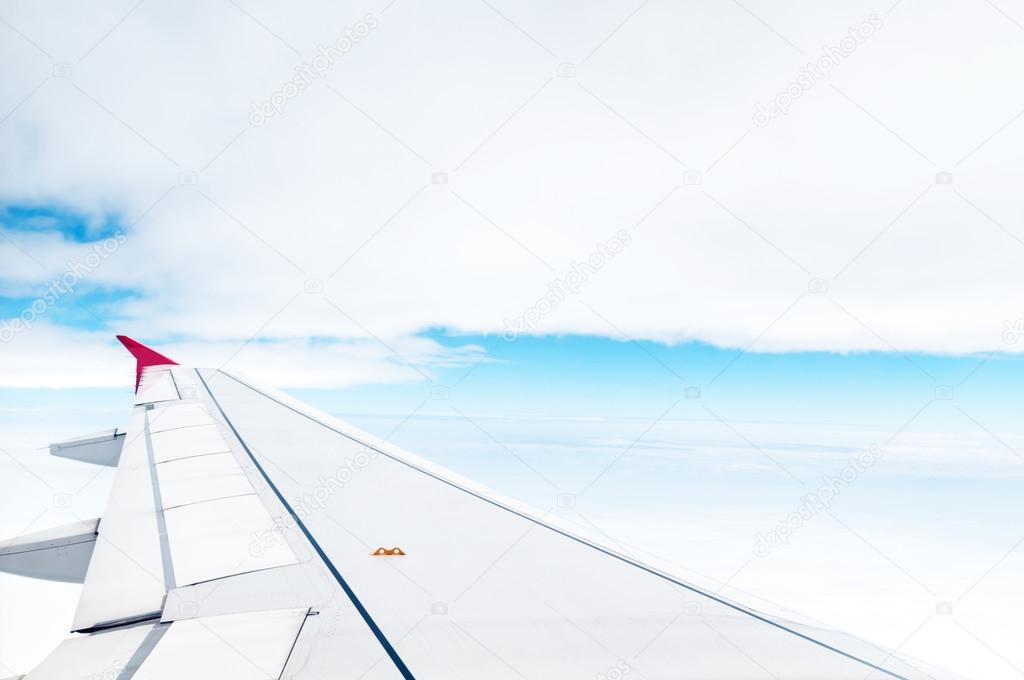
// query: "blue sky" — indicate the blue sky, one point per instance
point(75, 303)
point(602, 377)
point(573, 375)
point(49, 217)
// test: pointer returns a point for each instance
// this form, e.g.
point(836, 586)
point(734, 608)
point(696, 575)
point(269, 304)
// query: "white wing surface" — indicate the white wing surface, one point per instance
point(250, 536)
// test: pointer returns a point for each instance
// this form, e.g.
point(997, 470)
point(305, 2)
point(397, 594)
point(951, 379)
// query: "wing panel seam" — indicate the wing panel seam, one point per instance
point(161, 521)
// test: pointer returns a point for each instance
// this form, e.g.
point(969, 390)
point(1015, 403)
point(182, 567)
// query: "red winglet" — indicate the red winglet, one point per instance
point(144, 357)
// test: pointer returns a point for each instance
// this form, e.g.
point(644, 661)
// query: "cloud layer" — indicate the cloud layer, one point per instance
point(419, 167)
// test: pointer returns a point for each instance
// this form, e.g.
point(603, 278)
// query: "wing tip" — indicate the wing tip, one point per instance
point(144, 357)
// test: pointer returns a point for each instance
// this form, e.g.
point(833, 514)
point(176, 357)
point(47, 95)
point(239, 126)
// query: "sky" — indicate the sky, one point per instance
point(737, 243)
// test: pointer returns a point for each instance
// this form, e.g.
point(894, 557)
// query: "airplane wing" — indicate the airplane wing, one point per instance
point(248, 536)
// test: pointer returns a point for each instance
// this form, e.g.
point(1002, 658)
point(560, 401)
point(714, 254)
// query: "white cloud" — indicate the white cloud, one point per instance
point(47, 356)
point(541, 168)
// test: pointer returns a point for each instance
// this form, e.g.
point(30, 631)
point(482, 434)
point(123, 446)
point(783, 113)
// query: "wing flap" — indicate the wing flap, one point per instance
point(126, 576)
point(181, 511)
point(250, 646)
point(182, 415)
point(185, 442)
point(224, 537)
point(288, 587)
point(58, 554)
point(86, 657)
point(201, 478)
point(102, 448)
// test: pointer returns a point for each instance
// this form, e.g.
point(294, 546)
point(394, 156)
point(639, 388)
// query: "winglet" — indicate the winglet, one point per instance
point(144, 357)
